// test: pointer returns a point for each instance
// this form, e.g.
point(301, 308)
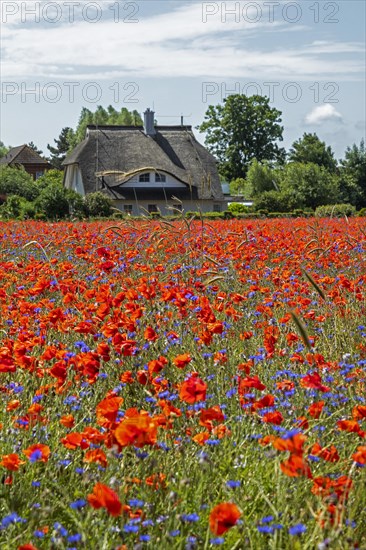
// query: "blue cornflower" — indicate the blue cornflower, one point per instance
point(136, 502)
point(147, 523)
point(64, 462)
point(267, 519)
point(61, 529)
point(174, 533)
point(80, 503)
point(35, 455)
point(190, 517)
point(145, 538)
point(297, 529)
point(131, 528)
point(268, 529)
point(232, 484)
point(74, 538)
point(38, 534)
point(218, 540)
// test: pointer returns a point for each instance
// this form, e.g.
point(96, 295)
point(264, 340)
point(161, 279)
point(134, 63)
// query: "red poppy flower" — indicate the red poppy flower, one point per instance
point(150, 334)
point(107, 411)
point(360, 455)
point(96, 455)
point(182, 361)
point(250, 382)
point(74, 440)
point(316, 408)
point(193, 389)
point(104, 497)
point(273, 418)
point(295, 466)
point(313, 381)
point(138, 429)
point(223, 517)
point(11, 462)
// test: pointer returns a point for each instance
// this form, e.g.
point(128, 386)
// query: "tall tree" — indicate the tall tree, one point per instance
point(63, 143)
point(354, 166)
point(242, 129)
point(310, 148)
point(102, 116)
point(3, 149)
point(35, 148)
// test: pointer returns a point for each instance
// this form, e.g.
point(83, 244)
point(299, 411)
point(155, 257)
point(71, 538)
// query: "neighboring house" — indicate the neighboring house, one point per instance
point(147, 168)
point(25, 156)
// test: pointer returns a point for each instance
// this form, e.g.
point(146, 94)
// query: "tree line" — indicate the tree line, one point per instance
point(244, 133)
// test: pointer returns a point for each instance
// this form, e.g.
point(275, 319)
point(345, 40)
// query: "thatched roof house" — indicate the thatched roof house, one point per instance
point(25, 156)
point(148, 167)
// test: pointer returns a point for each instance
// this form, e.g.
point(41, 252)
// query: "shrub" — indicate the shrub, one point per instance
point(12, 207)
point(16, 181)
point(52, 202)
point(273, 201)
point(362, 212)
point(281, 215)
point(235, 207)
point(98, 204)
point(335, 210)
point(213, 215)
point(51, 176)
point(77, 207)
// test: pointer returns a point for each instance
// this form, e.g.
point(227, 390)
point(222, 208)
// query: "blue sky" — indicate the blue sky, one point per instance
point(179, 57)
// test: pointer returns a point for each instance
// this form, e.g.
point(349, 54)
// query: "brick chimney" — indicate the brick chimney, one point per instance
point(149, 122)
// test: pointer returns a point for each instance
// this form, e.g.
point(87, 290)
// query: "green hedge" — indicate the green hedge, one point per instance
point(335, 210)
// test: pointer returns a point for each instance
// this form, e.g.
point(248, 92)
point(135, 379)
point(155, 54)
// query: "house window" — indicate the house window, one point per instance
point(217, 207)
point(144, 177)
point(152, 208)
point(160, 177)
point(127, 208)
point(39, 174)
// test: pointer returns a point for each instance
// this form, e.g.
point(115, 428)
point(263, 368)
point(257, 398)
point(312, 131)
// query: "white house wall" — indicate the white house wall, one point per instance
point(73, 179)
point(141, 207)
point(170, 182)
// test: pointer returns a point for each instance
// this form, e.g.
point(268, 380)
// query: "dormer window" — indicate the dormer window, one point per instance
point(160, 178)
point(144, 177)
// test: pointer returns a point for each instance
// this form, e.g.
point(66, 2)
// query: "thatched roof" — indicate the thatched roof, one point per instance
point(23, 154)
point(119, 152)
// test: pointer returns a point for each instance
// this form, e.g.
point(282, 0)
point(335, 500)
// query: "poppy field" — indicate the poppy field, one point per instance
point(183, 384)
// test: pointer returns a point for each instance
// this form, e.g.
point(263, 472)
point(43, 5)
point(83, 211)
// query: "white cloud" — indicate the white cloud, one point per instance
point(323, 113)
point(176, 43)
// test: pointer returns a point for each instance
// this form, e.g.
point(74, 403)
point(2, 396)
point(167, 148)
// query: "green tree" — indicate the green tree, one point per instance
point(102, 117)
point(309, 148)
point(3, 149)
point(239, 187)
point(309, 184)
point(354, 166)
point(242, 129)
point(35, 148)
point(63, 143)
point(262, 177)
point(48, 178)
point(16, 181)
